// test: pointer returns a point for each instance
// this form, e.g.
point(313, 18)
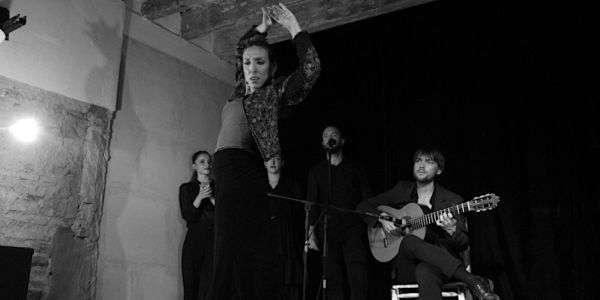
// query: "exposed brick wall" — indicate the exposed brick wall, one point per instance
point(51, 190)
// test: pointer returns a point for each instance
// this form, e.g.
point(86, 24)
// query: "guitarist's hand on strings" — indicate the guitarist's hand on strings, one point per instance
point(387, 225)
point(447, 222)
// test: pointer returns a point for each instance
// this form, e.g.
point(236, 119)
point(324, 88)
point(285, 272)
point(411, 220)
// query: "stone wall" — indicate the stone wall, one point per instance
point(51, 190)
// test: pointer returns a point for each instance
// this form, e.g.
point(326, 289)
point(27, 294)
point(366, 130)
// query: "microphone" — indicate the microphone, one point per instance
point(331, 143)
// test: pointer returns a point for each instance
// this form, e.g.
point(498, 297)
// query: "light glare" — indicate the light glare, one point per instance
point(25, 130)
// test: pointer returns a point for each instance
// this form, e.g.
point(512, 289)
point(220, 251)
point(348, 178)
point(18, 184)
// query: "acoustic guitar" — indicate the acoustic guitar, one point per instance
point(411, 220)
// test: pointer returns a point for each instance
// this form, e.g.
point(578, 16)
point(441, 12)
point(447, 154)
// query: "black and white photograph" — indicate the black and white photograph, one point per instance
point(299, 150)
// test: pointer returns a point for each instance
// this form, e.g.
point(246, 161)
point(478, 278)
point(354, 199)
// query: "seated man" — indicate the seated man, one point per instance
point(435, 259)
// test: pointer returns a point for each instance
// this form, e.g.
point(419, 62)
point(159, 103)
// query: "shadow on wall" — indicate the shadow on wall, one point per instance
point(107, 40)
point(120, 276)
point(112, 271)
point(128, 138)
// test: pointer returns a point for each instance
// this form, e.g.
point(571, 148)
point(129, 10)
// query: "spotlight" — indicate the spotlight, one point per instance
point(8, 25)
point(25, 130)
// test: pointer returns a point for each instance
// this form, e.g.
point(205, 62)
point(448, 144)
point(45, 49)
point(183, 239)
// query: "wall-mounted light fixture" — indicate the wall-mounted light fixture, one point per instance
point(8, 24)
point(25, 130)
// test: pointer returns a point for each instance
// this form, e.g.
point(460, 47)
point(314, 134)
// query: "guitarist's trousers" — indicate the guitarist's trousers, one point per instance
point(432, 265)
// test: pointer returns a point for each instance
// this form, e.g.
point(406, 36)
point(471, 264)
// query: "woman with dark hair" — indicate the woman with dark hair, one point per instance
point(197, 208)
point(244, 258)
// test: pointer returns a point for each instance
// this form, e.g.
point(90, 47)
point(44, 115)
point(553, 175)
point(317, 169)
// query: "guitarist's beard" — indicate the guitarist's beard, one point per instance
point(426, 180)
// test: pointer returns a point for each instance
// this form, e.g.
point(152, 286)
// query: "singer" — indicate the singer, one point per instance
point(245, 267)
point(347, 249)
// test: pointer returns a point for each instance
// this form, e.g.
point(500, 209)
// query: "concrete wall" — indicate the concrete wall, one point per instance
point(169, 106)
point(70, 47)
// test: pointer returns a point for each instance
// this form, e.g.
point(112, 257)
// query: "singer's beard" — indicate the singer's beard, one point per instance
point(334, 150)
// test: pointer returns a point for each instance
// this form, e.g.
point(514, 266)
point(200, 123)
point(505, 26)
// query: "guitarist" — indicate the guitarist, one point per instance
point(436, 259)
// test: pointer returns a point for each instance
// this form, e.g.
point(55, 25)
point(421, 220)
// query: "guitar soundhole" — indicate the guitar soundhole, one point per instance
point(403, 227)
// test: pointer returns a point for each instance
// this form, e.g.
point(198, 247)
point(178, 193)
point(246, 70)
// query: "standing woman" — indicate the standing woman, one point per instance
point(197, 208)
point(244, 258)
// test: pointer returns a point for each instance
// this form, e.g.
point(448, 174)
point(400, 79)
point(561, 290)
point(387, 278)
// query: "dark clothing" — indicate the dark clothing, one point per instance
point(245, 264)
point(287, 222)
point(244, 257)
point(434, 260)
point(197, 253)
point(349, 186)
point(348, 258)
point(263, 106)
point(346, 234)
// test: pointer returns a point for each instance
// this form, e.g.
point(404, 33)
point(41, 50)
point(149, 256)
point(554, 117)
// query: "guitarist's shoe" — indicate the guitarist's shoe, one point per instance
point(484, 289)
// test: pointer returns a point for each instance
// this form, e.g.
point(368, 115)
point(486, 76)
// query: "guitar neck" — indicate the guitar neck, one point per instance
point(430, 218)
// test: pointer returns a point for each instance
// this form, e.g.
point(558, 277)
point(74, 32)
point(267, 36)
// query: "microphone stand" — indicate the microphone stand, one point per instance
point(325, 218)
point(325, 207)
point(328, 199)
point(307, 206)
point(344, 210)
point(305, 252)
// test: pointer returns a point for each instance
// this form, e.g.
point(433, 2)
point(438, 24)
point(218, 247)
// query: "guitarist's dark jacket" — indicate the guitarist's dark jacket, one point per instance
point(406, 192)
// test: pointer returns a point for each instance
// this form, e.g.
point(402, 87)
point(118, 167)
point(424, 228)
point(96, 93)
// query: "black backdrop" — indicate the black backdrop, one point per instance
point(508, 92)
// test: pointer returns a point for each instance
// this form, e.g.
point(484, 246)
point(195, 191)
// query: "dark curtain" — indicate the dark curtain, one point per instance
point(509, 92)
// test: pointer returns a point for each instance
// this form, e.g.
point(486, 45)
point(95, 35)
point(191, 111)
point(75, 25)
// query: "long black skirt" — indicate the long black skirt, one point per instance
point(245, 261)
